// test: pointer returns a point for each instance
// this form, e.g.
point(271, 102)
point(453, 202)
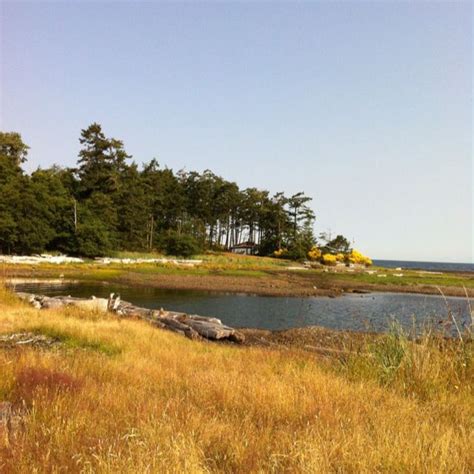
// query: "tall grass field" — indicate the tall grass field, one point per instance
point(120, 396)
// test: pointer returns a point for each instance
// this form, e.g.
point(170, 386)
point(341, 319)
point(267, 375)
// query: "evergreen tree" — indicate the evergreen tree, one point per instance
point(106, 204)
point(101, 161)
point(337, 245)
point(133, 210)
point(56, 206)
point(13, 153)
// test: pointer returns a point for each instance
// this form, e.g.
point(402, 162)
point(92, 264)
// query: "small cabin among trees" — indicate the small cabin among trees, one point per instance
point(245, 248)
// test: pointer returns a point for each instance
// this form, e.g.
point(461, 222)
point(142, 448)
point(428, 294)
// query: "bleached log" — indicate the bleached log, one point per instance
point(94, 304)
point(208, 329)
point(175, 325)
point(195, 317)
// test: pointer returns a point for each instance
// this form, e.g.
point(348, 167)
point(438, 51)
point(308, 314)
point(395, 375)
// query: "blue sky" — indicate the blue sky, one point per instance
point(367, 107)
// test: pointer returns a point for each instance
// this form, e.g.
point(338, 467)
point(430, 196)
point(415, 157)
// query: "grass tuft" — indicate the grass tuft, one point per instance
point(429, 367)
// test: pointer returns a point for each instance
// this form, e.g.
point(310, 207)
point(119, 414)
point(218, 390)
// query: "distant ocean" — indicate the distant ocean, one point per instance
point(432, 266)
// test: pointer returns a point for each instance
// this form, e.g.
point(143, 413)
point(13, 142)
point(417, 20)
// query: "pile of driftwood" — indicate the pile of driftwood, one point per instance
point(17, 339)
point(189, 325)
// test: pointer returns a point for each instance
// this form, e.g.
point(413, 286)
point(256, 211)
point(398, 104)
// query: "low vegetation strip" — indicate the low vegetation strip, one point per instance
point(168, 404)
point(249, 274)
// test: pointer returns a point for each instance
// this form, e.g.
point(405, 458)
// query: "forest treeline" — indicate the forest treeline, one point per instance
point(107, 202)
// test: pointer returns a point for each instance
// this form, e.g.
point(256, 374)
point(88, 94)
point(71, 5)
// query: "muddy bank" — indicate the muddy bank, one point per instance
point(316, 339)
point(281, 284)
point(355, 287)
point(278, 284)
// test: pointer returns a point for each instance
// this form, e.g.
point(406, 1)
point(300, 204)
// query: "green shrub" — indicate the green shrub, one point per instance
point(93, 240)
point(182, 245)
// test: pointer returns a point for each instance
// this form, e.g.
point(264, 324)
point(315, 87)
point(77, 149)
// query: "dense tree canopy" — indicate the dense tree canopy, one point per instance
point(109, 203)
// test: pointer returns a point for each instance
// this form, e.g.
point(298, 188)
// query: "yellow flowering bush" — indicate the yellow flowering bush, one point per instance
point(314, 253)
point(329, 259)
point(357, 257)
point(280, 253)
point(340, 257)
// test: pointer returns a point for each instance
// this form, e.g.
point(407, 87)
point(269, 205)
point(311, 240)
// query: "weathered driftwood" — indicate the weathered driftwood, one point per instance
point(212, 330)
point(191, 326)
point(48, 302)
point(177, 326)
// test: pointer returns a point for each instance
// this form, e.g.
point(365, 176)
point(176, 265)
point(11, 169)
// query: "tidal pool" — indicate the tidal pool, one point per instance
point(358, 312)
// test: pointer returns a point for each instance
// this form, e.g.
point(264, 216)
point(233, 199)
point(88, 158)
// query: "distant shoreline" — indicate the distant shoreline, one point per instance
point(451, 267)
point(281, 283)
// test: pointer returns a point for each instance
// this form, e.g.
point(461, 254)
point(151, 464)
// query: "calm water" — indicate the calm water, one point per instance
point(432, 266)
point(374, 312)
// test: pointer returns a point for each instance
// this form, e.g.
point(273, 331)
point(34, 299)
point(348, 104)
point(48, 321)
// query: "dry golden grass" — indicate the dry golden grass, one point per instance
point(121, 396)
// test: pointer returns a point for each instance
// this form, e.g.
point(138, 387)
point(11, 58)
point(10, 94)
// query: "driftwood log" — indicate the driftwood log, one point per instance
point(189, 325)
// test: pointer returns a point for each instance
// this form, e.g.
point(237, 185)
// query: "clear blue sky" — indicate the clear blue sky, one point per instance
point(365, 106)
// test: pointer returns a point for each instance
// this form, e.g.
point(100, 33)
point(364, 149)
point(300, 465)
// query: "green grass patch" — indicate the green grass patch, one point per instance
point(73, 341)
point(242, 273)
point(230, 260)
point(125, 254)
point(406, 279)
point(409, 278)
point(164, 269)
